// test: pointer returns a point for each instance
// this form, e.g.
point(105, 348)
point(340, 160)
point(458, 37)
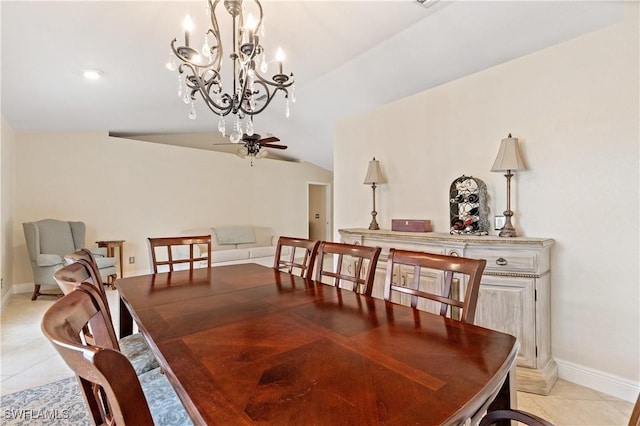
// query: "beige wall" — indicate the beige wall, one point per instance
point(574, 108)
point(7, 146)
point(130, 190)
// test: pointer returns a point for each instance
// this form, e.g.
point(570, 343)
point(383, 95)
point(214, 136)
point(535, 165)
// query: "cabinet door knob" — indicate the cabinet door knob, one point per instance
point(501, 261)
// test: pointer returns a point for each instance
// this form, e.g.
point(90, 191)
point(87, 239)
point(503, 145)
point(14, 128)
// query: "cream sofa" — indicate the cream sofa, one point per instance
point(237, 244)
point(233, 244)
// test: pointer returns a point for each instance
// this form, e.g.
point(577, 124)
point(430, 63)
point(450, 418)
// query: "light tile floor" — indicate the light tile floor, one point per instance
point(27, 359)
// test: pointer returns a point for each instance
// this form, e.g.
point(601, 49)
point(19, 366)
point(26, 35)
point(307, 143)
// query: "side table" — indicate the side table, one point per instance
point(111, 245)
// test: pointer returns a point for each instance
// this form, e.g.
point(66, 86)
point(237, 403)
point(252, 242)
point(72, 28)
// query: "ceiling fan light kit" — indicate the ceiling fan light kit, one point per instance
point(254, 146)
point(251, 91)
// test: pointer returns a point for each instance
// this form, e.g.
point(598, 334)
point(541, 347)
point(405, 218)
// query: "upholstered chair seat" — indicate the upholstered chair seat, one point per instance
point(137, 350)
point(164, 404)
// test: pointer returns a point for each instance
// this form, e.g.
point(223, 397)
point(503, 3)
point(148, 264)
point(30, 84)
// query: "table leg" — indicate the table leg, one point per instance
point(126, 321)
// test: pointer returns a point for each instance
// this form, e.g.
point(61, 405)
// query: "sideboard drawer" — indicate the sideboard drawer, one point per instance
point(505, 261)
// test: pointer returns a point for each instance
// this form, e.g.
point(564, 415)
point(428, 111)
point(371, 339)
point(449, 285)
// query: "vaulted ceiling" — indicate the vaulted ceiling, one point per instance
point(347, 57)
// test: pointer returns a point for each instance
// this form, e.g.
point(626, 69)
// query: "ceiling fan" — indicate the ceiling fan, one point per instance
point(253, 146)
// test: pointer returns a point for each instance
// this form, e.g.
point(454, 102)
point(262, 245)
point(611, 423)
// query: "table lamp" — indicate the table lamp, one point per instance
point(508, 160)
point(374, 176)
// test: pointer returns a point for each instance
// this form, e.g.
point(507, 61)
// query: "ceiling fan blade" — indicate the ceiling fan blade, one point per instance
point(275, 146)
point(269, 140)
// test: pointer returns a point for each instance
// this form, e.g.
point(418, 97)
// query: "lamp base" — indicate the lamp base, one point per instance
point(373, 226)
point(508, 230)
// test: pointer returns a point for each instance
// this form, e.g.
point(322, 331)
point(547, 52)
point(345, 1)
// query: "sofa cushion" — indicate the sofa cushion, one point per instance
point(48, 260)
point(234, 234)
point(226, 255)
point(264, 238)
point(55, 237)
point(262, 251)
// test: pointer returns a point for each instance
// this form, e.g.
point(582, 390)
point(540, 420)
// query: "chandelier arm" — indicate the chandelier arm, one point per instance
point(274, 83)
point(216, 60)
point(217, 109)
point(259, 25)
point(269, 94)
point(196, 84)
point(216, 30)
point(180, 54)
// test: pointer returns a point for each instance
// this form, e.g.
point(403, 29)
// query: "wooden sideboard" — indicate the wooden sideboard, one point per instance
point(514, 292)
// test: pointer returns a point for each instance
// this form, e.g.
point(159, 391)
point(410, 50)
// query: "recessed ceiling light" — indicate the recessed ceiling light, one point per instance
point(92, 74)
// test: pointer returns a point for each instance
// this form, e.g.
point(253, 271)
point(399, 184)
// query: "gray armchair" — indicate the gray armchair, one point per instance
point(49, 240)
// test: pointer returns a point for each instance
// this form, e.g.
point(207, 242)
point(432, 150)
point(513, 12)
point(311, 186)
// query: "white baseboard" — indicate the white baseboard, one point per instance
point(598, 380)
point(6, 298)
point(22, 288)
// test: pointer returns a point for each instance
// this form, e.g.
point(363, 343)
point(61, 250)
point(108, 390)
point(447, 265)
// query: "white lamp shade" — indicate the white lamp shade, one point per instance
point(242, 152)
point(508, 157)
point(374, 173)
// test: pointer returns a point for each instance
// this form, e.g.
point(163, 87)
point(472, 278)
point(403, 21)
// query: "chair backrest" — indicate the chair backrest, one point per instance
point(292, 260)
point(51, 236)
point(448, 266)
point(176, 251)
point(86, 255)
point(71, 276)
point(523, 417)
point(353, 271)
point(83, 268)
point(107, 379)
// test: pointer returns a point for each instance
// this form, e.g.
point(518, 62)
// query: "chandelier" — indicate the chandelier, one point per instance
point(248, 91)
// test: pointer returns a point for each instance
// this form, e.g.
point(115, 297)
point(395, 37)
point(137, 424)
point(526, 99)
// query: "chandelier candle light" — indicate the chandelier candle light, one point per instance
point(250, 91)
point(374, 176)
point(508, 160)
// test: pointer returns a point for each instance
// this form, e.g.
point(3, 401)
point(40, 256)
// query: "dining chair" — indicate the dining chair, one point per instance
point(634, 420)
point(355, 271)
point(519, 416)
point(441, 265)
point(134, 346)
point(179, 251)
point(291, 261)
point(114, 394)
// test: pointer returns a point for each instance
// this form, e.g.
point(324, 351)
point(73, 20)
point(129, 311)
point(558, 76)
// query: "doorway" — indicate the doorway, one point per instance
point(319, 211)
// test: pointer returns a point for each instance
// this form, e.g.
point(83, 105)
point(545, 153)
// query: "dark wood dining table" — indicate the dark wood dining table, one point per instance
point(245, 344)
